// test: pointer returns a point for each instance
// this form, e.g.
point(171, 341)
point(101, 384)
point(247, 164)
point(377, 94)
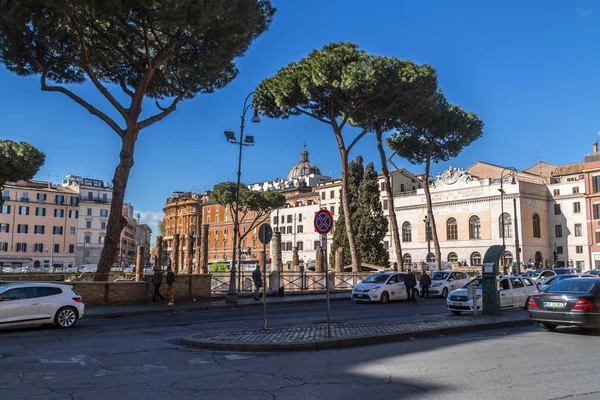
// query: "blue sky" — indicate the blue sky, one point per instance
point(529, 69)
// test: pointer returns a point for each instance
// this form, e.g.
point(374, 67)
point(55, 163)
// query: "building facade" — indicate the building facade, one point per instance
point(95, 198)
point(591, 173)
point(38, 226)
point(183, 216)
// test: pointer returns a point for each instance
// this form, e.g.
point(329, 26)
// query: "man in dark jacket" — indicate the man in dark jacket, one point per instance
point(425, 282)
point(257, 278)
point(156, 282)
point(410, 282)
point(170, 285)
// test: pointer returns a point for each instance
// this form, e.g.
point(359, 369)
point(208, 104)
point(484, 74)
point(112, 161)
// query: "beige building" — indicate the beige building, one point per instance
point(38, 226)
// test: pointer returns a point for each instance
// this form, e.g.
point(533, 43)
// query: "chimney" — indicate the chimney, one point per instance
point(595, 147)
point(50, 184)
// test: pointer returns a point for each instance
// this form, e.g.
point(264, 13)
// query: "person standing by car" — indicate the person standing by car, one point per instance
point(425, 283)
point(410, 282)
point(170, 285)
point(156, 282)
point(257, 278)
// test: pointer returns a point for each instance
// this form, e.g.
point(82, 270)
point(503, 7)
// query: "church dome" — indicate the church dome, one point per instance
point(303, 168)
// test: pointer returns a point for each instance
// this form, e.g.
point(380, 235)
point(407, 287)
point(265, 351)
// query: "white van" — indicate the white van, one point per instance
point(443, 282)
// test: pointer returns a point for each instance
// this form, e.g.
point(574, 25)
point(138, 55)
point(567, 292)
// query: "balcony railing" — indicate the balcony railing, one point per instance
point(95, 200)
point(24, 199)
point(407, 193)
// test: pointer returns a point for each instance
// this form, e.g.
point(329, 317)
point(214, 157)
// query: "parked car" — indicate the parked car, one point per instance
point(595, 272)
point(443, 282)
point(558, 278)
point(39, 303)
point(514, 292)
point(568, 302)
point(540, 276)
point(382, 287)
point(563, 271)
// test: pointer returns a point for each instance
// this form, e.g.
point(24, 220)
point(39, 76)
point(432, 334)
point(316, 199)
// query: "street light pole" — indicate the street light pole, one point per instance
point(512, 173)
point(248, 141)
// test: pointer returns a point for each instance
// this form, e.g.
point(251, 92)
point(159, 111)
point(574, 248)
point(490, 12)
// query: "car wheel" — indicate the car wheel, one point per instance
point(455, 312)
point(526, 306)
point(445, 292)
point(385, 297)
point(65, 317)
point(548, 327)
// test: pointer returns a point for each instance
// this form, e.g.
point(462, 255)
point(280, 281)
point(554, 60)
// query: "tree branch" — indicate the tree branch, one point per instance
point(312, 115)
point(92, 110)
point(166, 111)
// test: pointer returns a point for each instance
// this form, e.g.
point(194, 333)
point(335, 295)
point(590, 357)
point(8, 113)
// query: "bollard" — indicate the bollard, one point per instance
point(472, 293)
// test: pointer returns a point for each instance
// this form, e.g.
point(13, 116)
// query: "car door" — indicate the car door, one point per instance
point(506, 295)
point(401, 288)
point(453, 282)
point(519, 292)
point(50, 301)
point(463, 279)
point(19, 304)
point(391, 286)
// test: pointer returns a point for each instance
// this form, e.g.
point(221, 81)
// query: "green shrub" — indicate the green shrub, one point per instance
point(218, 267)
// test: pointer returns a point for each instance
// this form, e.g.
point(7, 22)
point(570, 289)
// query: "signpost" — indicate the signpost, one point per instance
point(265, 233)
point(323, 225)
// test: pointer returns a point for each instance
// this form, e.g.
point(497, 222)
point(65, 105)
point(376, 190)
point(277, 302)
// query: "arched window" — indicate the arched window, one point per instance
point(538, 256)
point(507, 225)
point(475, 258)
point(474, 227)
point(431, 257)
point(406, 232)
point(36, 264)
point(407, 259)
point(537, 232)
point(452, 257)
point(507, 258)
point(451, 229)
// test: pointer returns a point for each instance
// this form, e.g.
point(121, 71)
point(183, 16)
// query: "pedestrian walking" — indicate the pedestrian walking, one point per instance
point(156, 282)
point(410, 282)
point(257, 278)
point(425, 283)
point(170, 286)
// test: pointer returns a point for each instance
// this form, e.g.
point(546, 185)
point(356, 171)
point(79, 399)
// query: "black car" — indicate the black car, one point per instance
point(568, 302)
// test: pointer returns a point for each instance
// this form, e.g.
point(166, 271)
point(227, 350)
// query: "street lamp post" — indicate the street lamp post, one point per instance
point(428, 236)
point(512, 173)
point(247, 141)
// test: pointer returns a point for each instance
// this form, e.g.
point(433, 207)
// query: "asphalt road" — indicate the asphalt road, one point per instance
point(141, 358)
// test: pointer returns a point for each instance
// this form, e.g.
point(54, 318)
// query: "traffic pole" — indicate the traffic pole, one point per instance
point(324, 245)
point(264, 294)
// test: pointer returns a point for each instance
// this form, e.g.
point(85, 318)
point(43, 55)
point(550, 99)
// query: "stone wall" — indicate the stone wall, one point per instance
point(187, 288)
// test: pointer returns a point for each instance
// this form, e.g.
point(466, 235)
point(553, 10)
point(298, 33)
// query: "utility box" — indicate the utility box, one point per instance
point(490, 294)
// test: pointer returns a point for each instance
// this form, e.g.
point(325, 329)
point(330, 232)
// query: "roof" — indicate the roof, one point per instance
point(304, 167)
point(568, 169)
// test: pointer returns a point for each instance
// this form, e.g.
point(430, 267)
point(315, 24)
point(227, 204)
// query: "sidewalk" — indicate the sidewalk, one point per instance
point(350, 335)
point(113, 311)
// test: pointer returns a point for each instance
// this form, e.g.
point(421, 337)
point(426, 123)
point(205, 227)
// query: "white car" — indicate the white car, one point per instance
point(39, 303)
point(443, 282)
point(514, 293)
point(382, 287)
point(540, 276)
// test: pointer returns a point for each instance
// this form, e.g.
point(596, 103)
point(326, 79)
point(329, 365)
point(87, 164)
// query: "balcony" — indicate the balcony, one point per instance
point(96, 200)
point(24, 199)
point(406, 193)
point(5, 198)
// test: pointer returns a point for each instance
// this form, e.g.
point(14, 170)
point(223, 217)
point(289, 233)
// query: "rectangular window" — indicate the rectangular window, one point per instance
point(5, 209)
point(558, 231)
point(39, 229)
point(332, 210)
point(316, 244)
point(100, 239)
point(104, 213)
point(332, 194)
point(4, 228)
point(386, 244)
point(596, 211)
point(57, 248)
point(89, 212)
point(575, 189)
point(42, 197)
point(87, 239)
point(557, 209)
point(288, 246)
point(72, 231)
point(576, 208)
point(556, 192)
point(282, 219)
point(22, 228)
point(25, 197)
point(57, 230)
point(23, 210)
point(59, 213)
point(38, 247)
point(559, 250)
point(289, 229)
point(381, 186)
point(598, 237)
point(22, 247)
point(103, 225)
point(275, 220)
point(73, 214)
point(300, 246)
point(300, 229)
point(577, 230)
point(90, 195)
point(596, 183)
point(299, 217)
point(3, 246)
point(88, 224)
point(6, 195)
point(578, 249)
point(225, 231)
point(60, 199)
point(71, 248)
point(289, 219)
point(74, 201)
point(385, 204)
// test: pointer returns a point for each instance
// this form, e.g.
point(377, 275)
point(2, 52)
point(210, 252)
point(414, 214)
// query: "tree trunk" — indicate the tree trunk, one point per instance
point(354, 253)
point(390, 198)
point(116, 220)
point(436, 243)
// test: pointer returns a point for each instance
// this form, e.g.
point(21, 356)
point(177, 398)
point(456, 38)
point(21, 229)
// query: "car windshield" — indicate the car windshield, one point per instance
point(531, 274)
point(475, 282)
point(439, 275)
point(376, 278)
point(572, 286)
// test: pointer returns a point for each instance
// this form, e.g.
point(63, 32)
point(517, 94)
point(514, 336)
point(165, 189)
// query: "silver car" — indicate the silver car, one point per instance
point(39, 303)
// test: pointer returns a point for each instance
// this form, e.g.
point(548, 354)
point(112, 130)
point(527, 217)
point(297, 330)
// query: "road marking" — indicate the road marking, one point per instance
point(73, 360)
point(235, 357)
point(197, 361)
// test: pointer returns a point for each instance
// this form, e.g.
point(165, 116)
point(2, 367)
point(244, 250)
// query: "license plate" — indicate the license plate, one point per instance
point(457, 304)
point(555, 304)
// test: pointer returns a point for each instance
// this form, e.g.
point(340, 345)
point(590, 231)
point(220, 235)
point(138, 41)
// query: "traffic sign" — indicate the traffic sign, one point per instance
point(323, 222)
point(265, 233)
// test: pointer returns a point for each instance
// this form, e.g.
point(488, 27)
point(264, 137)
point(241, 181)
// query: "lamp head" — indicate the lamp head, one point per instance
point(249, 140)
point(513, 181)
point(230, 136)
point(256, 117)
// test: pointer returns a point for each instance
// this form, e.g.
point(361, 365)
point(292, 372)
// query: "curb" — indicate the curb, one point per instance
point(356, 341)
point(206, 307)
